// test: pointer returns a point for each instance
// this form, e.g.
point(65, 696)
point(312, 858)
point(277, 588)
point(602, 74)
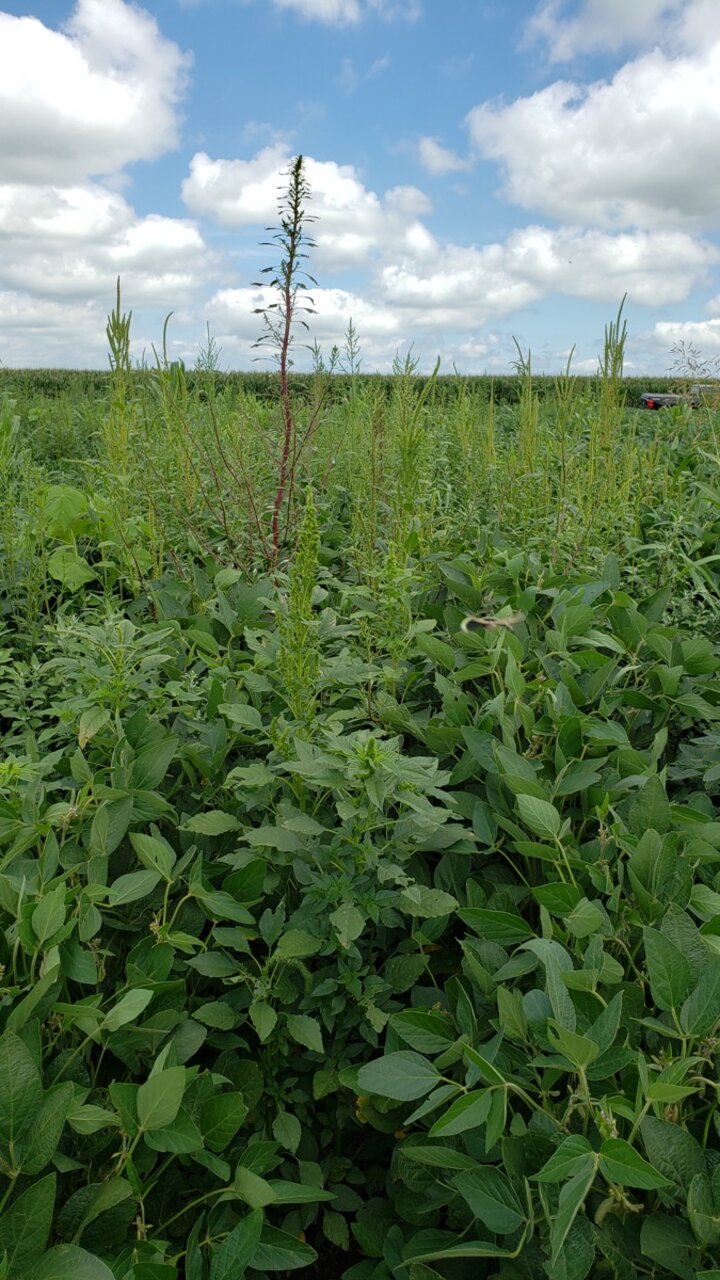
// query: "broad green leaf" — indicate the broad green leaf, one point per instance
point(127, 1009)
point(650, 809)
point(488, 1071)
point(70, 569)
point(540, 816)
point(430, 1245)
point(159, 1098)
point(704, 1211)
point(132, 887)
point(25, 1224)
point(105, 1196)
point(500, 926)
point(426, 1032)
point(672, 1151)
point(298, 1192)
point(348, 923)
point(49, 915)
point(438, 1157)
point(280, 1251)
point(585, 919)
point(68, 1262)
point(572, 1196)
point(468, 1112)
point(491, 1198)
point(40, 1140)
point(305, 1030)
point(403, 1076)
point(91, 722)
point(212, 823)
point(220, 1118)
point(668, 970)
point(619, 1162)
point(253, 1190)
point(217, 1013)
point(700, 1013)
point(573, 1156)
point(223, 906)
point(231, 1258)
point(426, 904)
point(669, 1241)
point(154, 854)
point(579, 1050)
point(20, 1086)
point(263, 1018)
point(559, 899)
point(297, 944)
point(287, 1130)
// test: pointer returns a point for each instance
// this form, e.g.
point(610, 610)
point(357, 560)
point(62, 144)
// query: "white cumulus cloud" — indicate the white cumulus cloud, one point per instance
point(351, 221)
point(438, 159)
point(570, 30)
point(349, 12)
point(638, 150)
point(87, 100)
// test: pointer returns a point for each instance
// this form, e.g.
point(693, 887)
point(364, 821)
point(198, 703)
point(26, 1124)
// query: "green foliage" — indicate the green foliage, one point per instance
point(332, 938)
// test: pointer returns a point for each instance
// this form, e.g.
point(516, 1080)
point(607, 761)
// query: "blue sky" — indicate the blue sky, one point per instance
point(479, 172)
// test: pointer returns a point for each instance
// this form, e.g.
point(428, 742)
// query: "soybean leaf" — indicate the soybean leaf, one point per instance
point(403, 1076)
point(25, 1224)
point(468, 1112)
point(68, 1262)
point(20, 1086)
point(701, 1011)
point(668, 970)
point(491, 1198)
point(39, 1142)
point(619, 1162)
point(280, 1251)
point(159, 1098)
point(220, 1119)
point(572, 1197)
point(231, 1258)
point(574, 1155)
point(127, 1009)
point(540, 816)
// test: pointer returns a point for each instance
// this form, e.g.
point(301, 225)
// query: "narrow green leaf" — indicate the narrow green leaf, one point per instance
point(572, 1196)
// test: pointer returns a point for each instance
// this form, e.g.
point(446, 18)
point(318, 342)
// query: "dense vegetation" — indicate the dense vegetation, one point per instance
point(334, 938)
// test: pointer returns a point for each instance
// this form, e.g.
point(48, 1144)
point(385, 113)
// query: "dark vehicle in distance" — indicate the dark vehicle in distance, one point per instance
point(699, 393)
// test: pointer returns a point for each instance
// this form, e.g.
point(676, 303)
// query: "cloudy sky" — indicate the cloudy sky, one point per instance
point(479, 171)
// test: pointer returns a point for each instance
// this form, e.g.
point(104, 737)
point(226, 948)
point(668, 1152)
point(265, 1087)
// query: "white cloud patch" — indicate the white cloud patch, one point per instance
point(438, 159)
point(639, 150)
point(350, 12)
point(460, 286)
point(352, 222)
point(571, 30)
point(703, 335)
point(87, 100)
point(73, 243)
